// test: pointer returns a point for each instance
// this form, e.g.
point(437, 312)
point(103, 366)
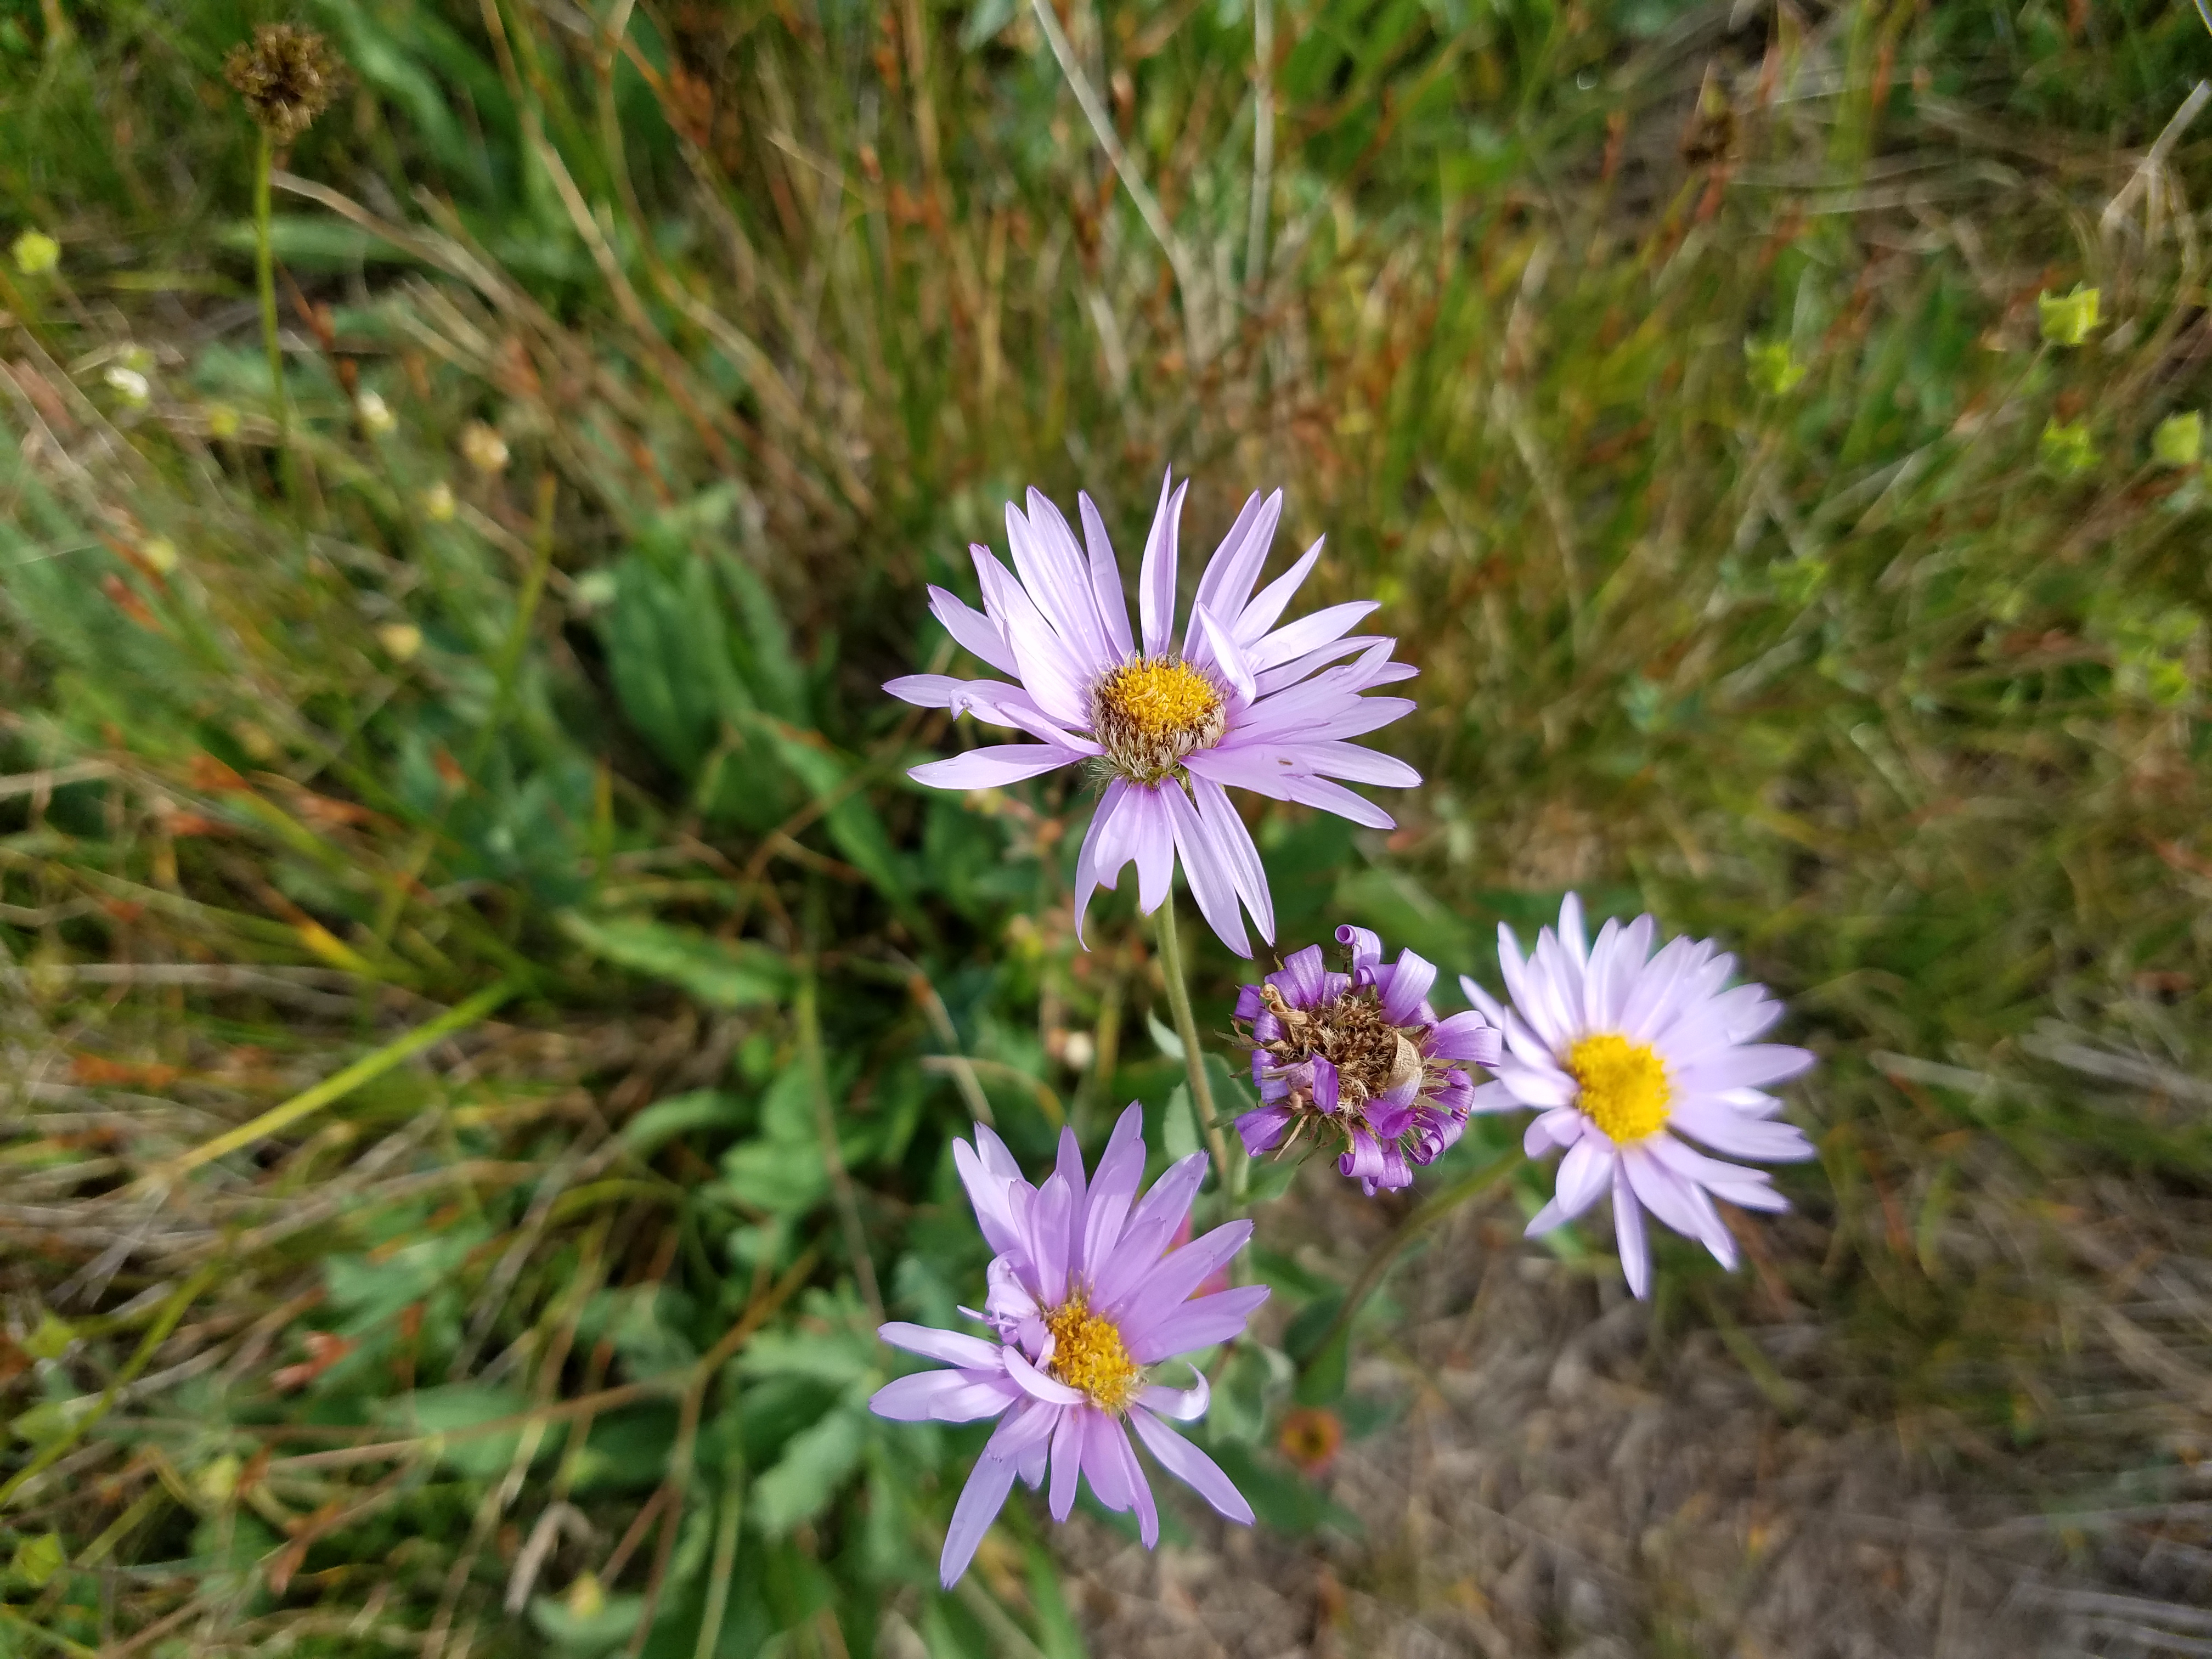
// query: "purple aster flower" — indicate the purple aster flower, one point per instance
point(1359, 1059)
point(1173, 725)
point(1624, 1053)
point(1086, 1297)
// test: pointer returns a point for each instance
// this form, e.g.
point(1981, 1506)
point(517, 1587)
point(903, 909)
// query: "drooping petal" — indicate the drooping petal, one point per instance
point(1467, 1036)
point(1103, 842)
point(1191, 1466)
point(973, 630)
point(1628, 1231)
point(1262, 1129)
point(1067, 1462)
point(1213, 879)
point(1183, 1404)
point(1233, 840)
point(986, 1491)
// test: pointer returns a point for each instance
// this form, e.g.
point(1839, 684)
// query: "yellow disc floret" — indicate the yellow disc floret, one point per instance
point(1148, 714)
point(1623, 1085)
point(1088, 1354)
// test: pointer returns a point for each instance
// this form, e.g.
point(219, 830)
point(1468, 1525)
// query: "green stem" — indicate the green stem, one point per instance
point(1194, 1058)
point(264, 277)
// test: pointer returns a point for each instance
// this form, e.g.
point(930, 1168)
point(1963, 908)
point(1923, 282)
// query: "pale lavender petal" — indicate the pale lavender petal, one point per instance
point(1571, 926)
point(1182, 1271)
point(950, 1347)
point(1051, 1217)
point(1191, 1466)
point(1151, 842)
point(1257, 617)
point(1155, 580)
point(1220, 651)
point(972, 630)
point(1485, 1004)
point(1212, 882)
point(1235, 566)
point(1583, 1174)
point(1052, 568)
point(1496, 1098)
point(1066, 1462)
point(1183, 1404)
point(1197, 1324)
point(1035, 1384)
point(1307, 635)
point(987, 1192)
point(1233, 840)
point(1681, 1204)
point(1752, 1066)
point(1731, 1131)
point(1350, 762)
point(944, 1397)
point(1121, 1170)
point(1628, 1232)
point(1752, 1189)
point(1150, 1225)
point(1560, 1127)
point(1054, 674)
point(994, 766)
point(1272, 680)
point(1069, 1168)
point(1104, 839)
point(986, 1491)
point(1329, 797)
point(1106, 579)
point(1105, 1459)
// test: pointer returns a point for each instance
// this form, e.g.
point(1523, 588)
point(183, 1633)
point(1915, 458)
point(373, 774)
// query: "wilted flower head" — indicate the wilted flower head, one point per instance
point(1172, 723)
point(35, 252)
point(1087, 1297)
point(288, 77)
point(1624, 1053)
point(1360, 1060)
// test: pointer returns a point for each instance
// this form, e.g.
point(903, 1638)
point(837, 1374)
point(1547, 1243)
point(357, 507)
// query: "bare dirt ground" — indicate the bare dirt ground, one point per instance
point(1564, 1481)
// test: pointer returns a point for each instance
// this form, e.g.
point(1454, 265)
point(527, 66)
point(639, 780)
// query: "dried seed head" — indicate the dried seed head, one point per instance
point(287, 76)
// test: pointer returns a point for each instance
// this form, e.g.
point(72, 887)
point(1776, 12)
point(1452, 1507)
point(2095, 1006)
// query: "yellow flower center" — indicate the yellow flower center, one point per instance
point(1088, 1354)
point(1160, 696)
point(1623, 1085)
point(1148, 715)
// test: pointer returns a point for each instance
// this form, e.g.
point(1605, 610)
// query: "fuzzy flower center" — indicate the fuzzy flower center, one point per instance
point(1088, 1354)
point(1148, 714)
point(1371, 1055)
point(1623, 1085)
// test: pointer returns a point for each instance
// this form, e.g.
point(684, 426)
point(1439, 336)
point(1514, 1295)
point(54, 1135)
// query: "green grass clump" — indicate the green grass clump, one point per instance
point(1711, 399)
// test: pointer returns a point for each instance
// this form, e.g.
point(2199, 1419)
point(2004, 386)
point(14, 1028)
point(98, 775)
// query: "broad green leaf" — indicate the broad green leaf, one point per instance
point(814, 1465)
point(458, 1406)
point(38, 1559)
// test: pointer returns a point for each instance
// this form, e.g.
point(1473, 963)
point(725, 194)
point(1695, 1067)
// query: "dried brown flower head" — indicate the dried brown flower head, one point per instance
point(287, 76)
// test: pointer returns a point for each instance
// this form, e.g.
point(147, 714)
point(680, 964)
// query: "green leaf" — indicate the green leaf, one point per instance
point(459, 1406)
point(780, 1177)
point(1178, 1129)
point(594, 1629)
point(681, 1115)
point(718, 973)
point(837, 1358)
point(38, 1559)
point(814, 1465)
point(1164, 1037)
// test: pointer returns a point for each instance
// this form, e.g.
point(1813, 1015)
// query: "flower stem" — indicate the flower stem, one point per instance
point(264, 277)
point(1194, 1058)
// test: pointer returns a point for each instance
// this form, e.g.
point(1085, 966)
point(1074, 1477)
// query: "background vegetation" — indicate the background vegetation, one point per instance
point(508, 771)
